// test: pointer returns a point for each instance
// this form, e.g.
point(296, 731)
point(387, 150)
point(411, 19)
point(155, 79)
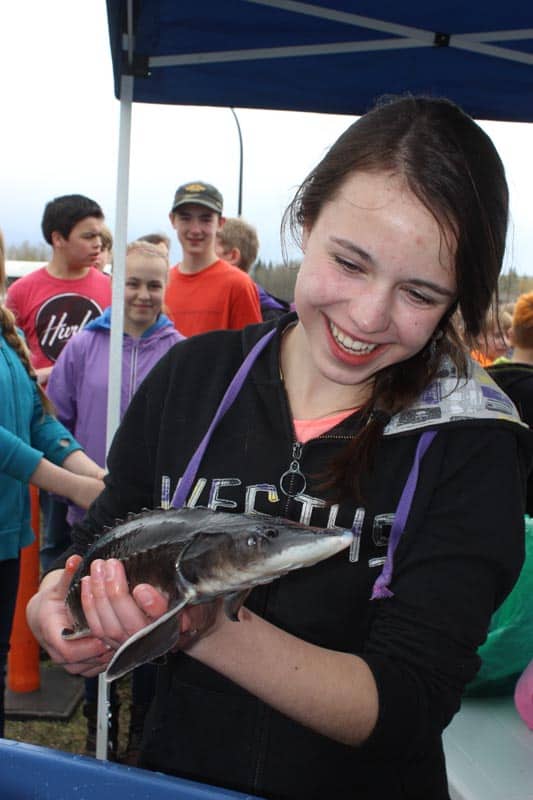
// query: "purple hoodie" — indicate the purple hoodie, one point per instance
point(79, 380)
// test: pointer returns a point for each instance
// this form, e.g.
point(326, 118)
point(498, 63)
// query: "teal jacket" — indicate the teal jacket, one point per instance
point(26, 435)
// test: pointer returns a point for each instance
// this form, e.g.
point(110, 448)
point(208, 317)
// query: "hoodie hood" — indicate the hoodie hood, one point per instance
point(103, 323)
point(452, 399)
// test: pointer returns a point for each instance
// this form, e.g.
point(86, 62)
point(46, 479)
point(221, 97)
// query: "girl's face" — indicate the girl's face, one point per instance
point(146, 278)
point(376, 278)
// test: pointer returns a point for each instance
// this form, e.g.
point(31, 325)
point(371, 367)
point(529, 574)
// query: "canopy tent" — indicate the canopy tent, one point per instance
point(333, 56)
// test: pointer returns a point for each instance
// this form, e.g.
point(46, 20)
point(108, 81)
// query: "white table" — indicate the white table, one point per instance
point(489, 752)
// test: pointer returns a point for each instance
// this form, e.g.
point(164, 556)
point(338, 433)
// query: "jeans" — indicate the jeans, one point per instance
point(56, 530)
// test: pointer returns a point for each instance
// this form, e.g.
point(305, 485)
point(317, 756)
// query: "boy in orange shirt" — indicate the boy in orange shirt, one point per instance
point(204, 292)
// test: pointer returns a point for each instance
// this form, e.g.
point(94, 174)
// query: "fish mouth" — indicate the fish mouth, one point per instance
point(308, 551)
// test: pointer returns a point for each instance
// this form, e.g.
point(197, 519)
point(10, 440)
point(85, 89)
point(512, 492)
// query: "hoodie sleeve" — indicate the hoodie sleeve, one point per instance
point(49, 439)
point(49, 435)
point(17, 459)
point(62, 385)
point(129, 485)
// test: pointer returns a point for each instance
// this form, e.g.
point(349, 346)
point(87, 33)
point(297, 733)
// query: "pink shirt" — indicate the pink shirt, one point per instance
point(50, 310)
point(307, 429)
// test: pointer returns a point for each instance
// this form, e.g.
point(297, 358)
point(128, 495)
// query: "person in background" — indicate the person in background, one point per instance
point(204, 292)
point(509, 307)
point(104, 259)
point(238, 244)
point(34, 448)
point(362, 411)
point(78, 387)
point(159, 240)
point(52, 304)
point(515, 374)
point(494, 344)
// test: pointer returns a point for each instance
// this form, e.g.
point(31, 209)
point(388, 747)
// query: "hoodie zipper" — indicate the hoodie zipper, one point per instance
point(133, 370)
point(293, 481)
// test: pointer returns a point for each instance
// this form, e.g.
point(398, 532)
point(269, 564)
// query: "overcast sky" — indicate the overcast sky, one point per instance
point(59, 135)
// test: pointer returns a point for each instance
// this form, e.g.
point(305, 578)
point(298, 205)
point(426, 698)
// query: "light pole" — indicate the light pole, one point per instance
point(239, 206)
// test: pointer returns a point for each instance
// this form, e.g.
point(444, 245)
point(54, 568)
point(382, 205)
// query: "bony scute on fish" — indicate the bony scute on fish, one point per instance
point(195, 555)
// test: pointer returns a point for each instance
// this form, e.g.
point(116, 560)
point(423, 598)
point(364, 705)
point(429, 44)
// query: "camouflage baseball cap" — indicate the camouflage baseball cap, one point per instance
point(198, 192)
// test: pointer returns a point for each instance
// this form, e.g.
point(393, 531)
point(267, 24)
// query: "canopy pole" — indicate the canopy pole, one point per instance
point(117, 330)
point(119, 259)
point(241, 159)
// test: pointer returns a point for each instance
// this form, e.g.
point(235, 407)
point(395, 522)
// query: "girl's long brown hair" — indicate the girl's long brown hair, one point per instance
point(452, 167)
point(7, 323)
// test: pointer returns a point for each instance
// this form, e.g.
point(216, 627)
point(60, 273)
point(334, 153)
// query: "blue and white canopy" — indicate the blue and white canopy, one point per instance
point(333, 56)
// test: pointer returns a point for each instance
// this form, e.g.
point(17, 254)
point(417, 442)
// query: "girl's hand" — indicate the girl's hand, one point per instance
point(47, 617)
point(112, 611)
point(85, 490)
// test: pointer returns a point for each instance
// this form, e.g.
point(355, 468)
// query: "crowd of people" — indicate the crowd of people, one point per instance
point(339, 679)
point(68, 302)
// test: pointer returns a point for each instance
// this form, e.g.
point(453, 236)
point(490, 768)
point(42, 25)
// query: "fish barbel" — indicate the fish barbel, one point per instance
point(194, 555)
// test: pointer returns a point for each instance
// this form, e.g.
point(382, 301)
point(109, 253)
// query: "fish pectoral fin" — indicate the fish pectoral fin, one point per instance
point(147, 644)
point(233, 603)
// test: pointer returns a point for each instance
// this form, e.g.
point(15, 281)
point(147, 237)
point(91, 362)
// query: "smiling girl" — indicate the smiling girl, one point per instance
point(363, 410)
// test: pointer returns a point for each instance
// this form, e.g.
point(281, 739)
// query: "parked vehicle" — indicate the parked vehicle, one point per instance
point(17, 269)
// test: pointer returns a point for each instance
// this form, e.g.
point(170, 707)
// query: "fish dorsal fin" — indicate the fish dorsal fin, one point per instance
point(147, 644)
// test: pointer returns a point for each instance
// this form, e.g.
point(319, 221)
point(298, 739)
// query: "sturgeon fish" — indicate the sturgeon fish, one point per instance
point(195, 555)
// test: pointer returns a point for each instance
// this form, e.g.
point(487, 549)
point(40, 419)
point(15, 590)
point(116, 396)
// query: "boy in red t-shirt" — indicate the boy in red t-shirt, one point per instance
point(52, 303)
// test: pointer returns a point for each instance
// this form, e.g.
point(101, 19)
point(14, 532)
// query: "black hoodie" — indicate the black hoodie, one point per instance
point(459, 556)
point(516, 380)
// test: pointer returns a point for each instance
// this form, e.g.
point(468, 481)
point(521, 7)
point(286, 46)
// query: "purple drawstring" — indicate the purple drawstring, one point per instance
point(184, 486)
point(381, 586)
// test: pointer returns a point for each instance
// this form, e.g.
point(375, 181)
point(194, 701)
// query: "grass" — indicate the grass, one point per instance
point(68, 736)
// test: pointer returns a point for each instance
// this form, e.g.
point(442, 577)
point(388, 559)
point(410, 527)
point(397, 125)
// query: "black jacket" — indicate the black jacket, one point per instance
point(516, 380)
point(459, 556)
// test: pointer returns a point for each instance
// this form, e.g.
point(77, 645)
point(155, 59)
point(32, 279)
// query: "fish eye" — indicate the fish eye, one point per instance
point(272, 533)
point(251, 541)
